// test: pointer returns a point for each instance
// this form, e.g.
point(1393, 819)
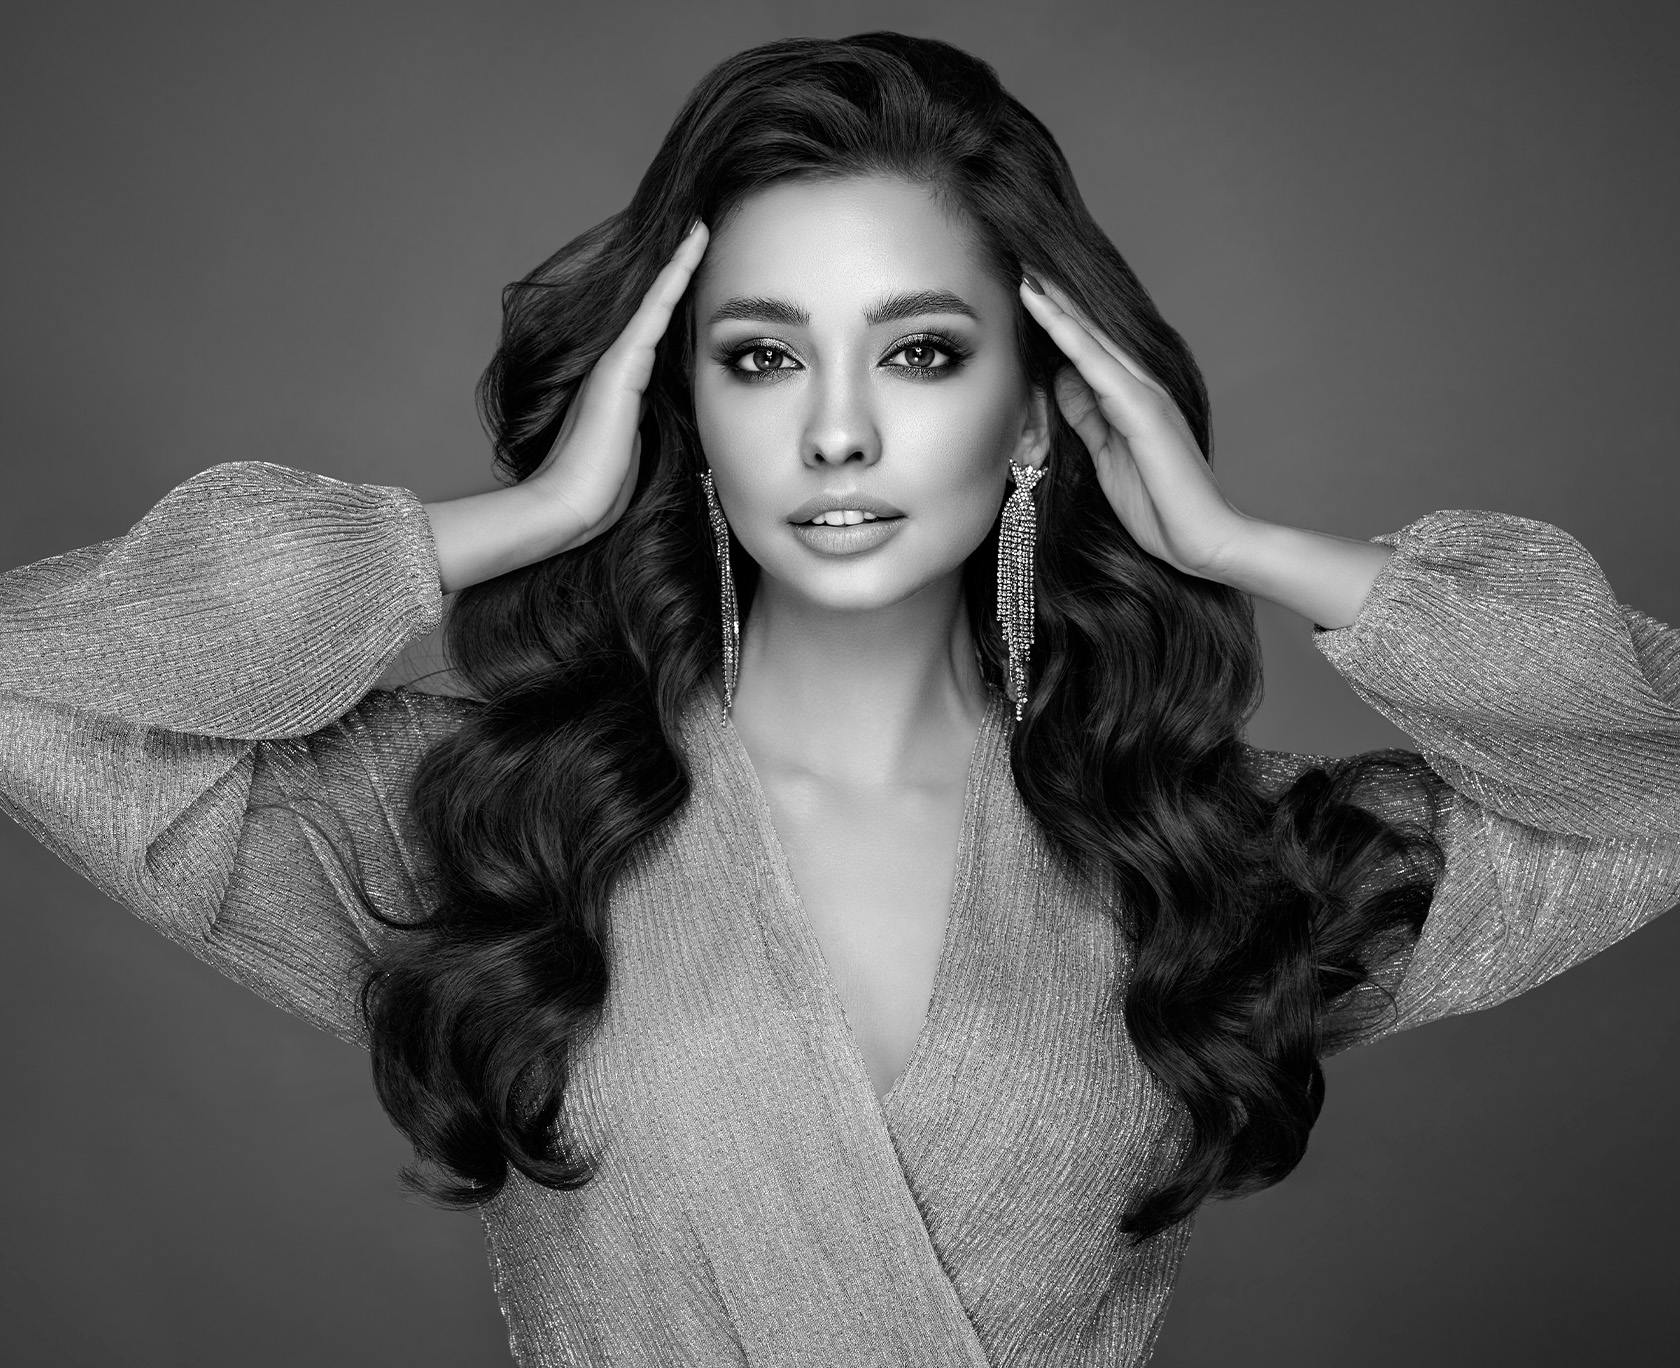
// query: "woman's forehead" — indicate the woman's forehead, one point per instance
point(839, 245)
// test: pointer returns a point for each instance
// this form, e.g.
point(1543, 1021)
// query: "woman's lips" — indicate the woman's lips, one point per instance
point(831, 499)
point(848, 540)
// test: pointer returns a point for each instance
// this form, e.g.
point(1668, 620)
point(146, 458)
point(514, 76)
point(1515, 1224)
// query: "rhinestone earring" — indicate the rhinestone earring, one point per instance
point(726, 587)
point(1017, 535)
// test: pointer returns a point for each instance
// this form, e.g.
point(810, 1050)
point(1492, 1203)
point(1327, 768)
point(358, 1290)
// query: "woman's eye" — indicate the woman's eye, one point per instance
point(922, 352)
point(921, 355)
point(758, 354)
point(761, 360)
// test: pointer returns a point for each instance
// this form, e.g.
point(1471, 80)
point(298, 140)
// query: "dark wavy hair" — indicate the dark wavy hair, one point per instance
point(1249, 914)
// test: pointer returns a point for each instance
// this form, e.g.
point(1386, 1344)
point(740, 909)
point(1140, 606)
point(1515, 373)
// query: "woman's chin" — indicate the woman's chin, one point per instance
point(847, 585)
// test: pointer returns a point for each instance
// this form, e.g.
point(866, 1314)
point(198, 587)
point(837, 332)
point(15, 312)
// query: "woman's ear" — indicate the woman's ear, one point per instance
point(1033, 444)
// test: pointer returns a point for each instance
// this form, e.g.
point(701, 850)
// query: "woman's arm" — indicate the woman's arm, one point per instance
point(1323, 578)
point(484, 535)
point(167, 695)
point(585, 482)
point(1549, 714)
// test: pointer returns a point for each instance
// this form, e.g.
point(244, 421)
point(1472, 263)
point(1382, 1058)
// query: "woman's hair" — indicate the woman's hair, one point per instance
point(1248, 915)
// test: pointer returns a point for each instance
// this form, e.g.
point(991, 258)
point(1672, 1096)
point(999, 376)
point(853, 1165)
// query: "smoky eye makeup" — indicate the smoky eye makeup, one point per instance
point(771, 358)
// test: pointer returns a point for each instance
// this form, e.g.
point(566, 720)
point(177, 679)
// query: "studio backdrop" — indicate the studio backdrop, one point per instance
point(1425, 257)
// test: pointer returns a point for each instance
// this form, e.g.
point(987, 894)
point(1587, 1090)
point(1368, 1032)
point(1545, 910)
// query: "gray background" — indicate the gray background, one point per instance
point(1425, 254)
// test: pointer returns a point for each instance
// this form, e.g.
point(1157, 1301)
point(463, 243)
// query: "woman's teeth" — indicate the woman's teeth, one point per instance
point(842, 517)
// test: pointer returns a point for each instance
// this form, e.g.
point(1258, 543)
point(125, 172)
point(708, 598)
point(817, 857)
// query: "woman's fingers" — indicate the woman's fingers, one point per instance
point(590, 470)
point(1145, 456)
point(663, 296)
point(634, 347)
point(1116, 388)
point(1127, 396)
point(1059, 297)
point(1079, 406)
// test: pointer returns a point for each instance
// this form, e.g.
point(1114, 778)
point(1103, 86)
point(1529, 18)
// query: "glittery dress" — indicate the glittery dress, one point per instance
point(756, 1203)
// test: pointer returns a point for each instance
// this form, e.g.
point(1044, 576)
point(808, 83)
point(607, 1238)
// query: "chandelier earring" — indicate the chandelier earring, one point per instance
point(1016, 611)
point(727, 611)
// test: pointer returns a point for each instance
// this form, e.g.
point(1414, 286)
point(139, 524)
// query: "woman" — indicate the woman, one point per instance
point(821, 942)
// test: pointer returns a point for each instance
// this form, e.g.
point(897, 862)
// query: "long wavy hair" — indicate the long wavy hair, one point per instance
point(1249, 915)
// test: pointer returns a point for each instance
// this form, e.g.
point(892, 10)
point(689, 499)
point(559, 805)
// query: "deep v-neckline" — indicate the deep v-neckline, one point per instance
point(818, 977)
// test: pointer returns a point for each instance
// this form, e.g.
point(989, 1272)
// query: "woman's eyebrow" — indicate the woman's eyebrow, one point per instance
point(889, 309)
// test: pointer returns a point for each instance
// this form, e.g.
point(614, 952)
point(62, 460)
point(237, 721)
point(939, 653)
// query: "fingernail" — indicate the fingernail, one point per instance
point(1031, 284)
point(693, 228)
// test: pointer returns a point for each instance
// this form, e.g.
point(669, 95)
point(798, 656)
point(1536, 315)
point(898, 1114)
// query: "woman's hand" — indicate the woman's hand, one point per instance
point(1147, 461)
point(590, 472)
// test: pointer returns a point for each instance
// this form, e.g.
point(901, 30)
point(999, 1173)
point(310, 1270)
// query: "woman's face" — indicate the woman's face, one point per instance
point(849, 343)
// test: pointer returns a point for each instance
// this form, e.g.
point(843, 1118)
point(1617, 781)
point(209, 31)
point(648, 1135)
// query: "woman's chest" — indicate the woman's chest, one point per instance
point(788, 973)
point(725, 1073)
point(874, 875)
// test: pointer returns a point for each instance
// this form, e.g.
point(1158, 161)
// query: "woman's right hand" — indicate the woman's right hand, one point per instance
point(590, 472)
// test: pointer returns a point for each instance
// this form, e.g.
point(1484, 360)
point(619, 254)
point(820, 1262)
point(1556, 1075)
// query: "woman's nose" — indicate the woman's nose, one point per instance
point(841, 428)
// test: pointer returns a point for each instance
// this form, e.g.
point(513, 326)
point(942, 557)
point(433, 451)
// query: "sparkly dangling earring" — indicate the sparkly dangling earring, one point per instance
point(1016, 537)
point(726, 583)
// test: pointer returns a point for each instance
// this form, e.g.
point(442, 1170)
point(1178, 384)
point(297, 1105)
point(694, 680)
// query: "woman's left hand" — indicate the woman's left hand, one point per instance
point(1147, 461)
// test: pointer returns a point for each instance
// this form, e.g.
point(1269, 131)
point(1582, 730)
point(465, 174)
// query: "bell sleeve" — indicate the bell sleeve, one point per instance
point(1549, 717)
point(187, 708)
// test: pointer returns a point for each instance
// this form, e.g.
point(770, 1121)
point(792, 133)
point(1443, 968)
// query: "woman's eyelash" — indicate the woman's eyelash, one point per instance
point(938, 342)
point(728, 357)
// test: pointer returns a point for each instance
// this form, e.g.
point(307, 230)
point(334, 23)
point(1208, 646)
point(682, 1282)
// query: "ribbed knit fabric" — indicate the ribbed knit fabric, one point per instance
point(756, 1203)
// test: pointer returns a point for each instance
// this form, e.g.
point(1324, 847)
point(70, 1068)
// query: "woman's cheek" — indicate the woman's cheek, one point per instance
point(736, 423)
point(967, 443)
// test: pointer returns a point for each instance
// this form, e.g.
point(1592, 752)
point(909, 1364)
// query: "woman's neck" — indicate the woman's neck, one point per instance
point(860, 697)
